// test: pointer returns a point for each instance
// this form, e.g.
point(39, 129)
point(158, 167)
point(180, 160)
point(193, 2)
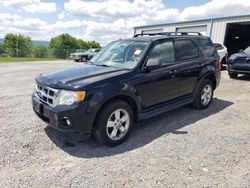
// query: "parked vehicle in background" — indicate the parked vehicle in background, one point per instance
point(239, 63)
point(73, 55)
point(222, 51)
point(129, 80)
point(84, 56)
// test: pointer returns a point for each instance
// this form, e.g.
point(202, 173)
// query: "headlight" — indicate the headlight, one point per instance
point(70, 97)
point(232, 58)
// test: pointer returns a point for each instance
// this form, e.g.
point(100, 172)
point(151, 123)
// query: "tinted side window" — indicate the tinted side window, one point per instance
point(164, 52)
point(186, 49)
point(208, 47)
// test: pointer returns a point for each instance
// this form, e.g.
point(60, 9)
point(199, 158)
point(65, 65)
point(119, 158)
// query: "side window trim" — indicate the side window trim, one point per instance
point(176, 50)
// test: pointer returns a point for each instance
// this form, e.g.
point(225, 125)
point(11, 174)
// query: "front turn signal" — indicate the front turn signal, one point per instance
point(80, 95)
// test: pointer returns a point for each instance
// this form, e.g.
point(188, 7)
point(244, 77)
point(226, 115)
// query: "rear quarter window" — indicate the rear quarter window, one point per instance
point(208, 47)
point(186, 49)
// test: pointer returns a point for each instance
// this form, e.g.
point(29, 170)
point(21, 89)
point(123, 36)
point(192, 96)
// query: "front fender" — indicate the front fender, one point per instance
point(105, 94)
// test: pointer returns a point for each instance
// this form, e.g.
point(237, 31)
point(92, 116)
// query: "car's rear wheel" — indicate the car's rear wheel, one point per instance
point(232, 74)
point(204, 95)
point(113, 123)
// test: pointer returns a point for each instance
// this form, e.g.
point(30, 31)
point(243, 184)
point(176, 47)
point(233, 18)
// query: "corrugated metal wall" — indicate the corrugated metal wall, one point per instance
point(216, 28)
point(219, 27)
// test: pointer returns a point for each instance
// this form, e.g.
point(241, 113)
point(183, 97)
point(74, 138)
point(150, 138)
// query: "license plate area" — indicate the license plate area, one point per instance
point(38, 107)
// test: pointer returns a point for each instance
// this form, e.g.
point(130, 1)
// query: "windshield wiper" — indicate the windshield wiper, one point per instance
point(103, 65)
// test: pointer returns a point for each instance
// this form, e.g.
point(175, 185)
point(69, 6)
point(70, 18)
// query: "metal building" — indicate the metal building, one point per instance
point(233, 32)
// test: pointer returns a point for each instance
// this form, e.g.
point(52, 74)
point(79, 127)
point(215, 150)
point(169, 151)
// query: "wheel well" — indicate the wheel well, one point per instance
point(124, 98)
point(212, 79)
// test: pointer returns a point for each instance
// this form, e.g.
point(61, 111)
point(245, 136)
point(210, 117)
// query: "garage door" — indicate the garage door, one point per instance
point(202, 29)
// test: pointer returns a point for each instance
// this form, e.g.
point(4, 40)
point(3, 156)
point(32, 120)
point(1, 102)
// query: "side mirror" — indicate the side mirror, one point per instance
point(240, 51)
point(153, 64)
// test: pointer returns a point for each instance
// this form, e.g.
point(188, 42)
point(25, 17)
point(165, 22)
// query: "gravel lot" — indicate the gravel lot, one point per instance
point(182, 148)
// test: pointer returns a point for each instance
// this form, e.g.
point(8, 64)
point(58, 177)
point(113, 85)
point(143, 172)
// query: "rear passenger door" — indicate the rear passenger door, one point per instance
point(189, 65)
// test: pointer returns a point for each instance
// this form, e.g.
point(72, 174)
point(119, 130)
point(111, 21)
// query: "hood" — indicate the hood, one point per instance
point(241, 55)
point(78, 76)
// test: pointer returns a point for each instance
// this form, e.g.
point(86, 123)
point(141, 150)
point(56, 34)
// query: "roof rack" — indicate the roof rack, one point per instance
point(167, 34)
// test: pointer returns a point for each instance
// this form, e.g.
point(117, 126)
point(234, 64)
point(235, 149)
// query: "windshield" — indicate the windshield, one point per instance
point(121, 54)
point(247, 50)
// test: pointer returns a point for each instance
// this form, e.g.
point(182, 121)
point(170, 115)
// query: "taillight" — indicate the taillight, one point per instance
point(218, 64)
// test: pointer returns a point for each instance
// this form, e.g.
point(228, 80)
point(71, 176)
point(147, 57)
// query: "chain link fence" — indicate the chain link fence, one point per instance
point(37, 53)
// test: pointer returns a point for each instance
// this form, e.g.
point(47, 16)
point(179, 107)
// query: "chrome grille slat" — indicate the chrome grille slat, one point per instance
point(47, 95)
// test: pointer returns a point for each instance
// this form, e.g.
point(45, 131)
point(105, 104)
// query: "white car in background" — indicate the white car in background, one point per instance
point(222, 51)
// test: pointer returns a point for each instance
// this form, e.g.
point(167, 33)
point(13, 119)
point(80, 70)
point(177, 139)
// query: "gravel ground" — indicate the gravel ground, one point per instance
point(182, 148)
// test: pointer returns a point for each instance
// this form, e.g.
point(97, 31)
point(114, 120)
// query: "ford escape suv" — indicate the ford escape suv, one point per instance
point(128, 80)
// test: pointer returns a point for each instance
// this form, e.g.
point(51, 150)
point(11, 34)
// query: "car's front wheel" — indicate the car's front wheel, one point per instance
point(83, 59)
point(204, 95)
point(113, 123)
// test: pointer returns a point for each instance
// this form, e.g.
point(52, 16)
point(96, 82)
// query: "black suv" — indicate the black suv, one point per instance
point(128, 80)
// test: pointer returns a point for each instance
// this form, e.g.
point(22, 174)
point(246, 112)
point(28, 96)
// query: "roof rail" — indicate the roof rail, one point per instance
point(184, 33)
point(150, 34)
point(167, 34)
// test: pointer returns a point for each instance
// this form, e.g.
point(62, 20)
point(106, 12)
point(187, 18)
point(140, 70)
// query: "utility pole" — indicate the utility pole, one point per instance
point(81, 30)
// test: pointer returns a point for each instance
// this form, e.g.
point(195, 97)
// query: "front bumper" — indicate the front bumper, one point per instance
point(76, 58)
point(240, 68)
point(74, 121)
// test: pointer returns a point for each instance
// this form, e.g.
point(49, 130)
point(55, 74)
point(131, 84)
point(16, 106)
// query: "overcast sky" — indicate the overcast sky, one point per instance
point(108, 20)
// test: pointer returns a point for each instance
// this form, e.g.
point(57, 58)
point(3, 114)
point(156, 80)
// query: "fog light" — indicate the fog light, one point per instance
point(66, 122)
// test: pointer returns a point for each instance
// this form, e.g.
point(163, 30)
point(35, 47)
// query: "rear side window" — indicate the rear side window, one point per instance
point(164, 52)
point(208, 47)
point(186, 49)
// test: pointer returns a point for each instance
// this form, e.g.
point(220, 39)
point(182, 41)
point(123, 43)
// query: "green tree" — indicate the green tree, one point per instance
point(41, 51)
point(62, 45)
point(18, 45)
point(82, 44)
point(1, 49)
point(93, 44)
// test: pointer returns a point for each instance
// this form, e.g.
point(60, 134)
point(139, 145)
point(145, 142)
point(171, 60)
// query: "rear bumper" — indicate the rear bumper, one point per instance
point(73, 121)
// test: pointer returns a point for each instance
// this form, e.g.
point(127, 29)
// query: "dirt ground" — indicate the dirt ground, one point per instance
point(181, 148)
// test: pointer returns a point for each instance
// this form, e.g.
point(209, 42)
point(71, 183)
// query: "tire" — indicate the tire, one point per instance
point(204, 95)
point(232, 74)
point(83, 59)
point(111, 130)
point(76, 60)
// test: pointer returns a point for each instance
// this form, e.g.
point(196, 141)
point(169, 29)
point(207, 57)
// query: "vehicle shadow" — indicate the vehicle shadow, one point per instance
point(143, 133)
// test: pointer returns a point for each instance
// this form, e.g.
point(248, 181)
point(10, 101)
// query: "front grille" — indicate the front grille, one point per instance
point(240, 61)
point(47, 95)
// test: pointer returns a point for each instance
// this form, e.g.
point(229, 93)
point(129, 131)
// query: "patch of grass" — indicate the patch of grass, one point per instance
point(23, 59)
